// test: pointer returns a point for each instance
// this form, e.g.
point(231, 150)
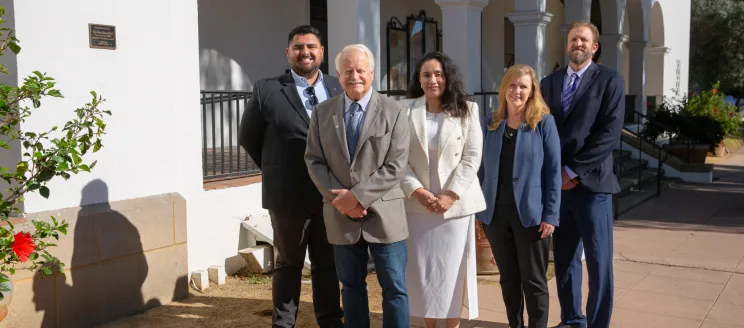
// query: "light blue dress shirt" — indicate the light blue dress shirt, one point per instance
point(320, 90)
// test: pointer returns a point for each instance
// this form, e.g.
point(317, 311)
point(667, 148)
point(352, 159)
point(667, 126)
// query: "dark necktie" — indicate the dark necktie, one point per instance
point(352, 127)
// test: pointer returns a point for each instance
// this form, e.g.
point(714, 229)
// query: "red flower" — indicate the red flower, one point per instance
point(715, 110)
point(715, 90)
point(648, 104)
point(731, 114)
point(23, 246)
point(691, 93)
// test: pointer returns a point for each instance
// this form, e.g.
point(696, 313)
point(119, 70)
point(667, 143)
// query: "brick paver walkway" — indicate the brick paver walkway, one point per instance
point(679, 260)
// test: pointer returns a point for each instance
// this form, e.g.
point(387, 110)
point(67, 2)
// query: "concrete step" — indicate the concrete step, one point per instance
point(619, 155)
point(630, 167)
point(631, 182)
point(635, 197)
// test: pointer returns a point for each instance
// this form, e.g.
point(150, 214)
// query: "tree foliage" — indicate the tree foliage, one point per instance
point(717, 46)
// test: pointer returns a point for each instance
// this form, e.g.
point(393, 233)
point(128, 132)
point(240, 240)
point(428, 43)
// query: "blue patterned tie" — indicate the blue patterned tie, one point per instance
point(352, 127)
point(569, 92)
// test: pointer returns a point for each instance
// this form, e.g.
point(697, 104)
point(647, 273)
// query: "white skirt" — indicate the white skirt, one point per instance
point(441, 272)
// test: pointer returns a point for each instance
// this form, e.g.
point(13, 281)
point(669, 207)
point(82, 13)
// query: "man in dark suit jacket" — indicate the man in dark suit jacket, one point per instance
point(588, 103)
point(273, 131)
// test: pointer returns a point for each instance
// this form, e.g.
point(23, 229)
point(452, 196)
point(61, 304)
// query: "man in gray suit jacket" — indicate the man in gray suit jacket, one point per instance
point(357, 151)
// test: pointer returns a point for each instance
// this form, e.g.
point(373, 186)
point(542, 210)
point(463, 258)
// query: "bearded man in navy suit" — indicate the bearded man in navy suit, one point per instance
point(588, 102)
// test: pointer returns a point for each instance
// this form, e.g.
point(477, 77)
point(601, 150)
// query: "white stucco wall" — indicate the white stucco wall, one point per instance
point(151, 84)
point(241, 41)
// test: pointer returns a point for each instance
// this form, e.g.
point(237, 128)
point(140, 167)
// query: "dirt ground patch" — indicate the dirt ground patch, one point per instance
point(238, 303)
point(245, 302)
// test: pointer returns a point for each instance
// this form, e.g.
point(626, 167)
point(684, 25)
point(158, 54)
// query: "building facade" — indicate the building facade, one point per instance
point(173, 57)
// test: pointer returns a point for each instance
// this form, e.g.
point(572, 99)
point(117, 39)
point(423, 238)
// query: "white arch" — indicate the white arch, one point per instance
point(656, 26)
point(638, 19)
point(656, 54)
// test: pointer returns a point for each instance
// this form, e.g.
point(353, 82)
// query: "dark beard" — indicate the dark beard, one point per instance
point(306, 72)
point(580, 58)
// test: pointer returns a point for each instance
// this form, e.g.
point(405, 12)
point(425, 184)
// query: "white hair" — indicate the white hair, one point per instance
point(355, 47)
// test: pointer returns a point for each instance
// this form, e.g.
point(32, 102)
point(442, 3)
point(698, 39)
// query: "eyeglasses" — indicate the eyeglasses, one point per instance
point(311, 96)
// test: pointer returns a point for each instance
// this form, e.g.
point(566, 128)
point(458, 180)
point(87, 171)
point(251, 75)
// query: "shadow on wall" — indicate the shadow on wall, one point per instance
point(219, 72)
point(108, 268)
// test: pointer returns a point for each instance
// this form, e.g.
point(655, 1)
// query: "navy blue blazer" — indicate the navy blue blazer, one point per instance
point(536, 176)
point(591, 127)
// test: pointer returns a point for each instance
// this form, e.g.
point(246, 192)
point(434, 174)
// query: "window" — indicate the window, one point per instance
point(407, 44)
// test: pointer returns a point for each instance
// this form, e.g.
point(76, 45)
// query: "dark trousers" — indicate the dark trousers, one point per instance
point(390, 264)
point(586, 224)
point(296, 230)
point(522, 259)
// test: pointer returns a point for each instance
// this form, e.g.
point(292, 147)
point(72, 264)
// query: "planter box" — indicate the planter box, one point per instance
point(695, 154)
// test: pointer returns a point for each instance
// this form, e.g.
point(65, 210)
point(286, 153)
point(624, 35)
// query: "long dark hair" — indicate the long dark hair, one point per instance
point(454, 97)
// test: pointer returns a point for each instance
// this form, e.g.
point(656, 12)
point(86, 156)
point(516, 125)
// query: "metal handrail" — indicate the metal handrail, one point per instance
point(639, 118)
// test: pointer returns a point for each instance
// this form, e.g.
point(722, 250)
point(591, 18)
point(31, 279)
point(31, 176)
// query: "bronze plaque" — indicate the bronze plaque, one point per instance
point(102, 36)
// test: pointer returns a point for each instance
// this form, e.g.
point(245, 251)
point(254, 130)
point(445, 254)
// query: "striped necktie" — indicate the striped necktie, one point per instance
point(568, 94)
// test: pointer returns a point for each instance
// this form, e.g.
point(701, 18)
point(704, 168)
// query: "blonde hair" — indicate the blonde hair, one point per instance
point(535, 108)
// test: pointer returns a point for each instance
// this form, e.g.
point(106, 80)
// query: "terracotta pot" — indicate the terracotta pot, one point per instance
point(5, 303)
point(720, 150)
point(485, 264)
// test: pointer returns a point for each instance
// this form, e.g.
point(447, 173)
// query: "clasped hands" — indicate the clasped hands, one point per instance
point(437, 204)
point(346, 203)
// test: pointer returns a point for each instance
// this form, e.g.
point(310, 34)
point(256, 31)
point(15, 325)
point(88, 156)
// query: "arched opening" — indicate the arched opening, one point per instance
point(637, 44)
point(656, 53)
point(596, 19)
point(656, 28)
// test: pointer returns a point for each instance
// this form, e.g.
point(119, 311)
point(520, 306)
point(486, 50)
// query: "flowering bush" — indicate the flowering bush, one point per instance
point(710, 103)
point(673, 119)
point(44, 156)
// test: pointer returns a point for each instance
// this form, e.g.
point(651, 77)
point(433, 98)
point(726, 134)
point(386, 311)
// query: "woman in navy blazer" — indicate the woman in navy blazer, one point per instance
point(521, 181)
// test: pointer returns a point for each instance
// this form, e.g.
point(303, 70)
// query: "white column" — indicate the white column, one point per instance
point(529, 38)
point(637, 78)
point(461, 29)
point(612, 51)
point(350, 22)
point(574, 10)
point(655, 72)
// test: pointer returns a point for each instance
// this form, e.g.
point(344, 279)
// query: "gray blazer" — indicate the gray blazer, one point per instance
point(374, 176)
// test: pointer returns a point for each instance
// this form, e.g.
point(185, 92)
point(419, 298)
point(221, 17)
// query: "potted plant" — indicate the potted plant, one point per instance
point(711, 103)
point(690, 137)
point(46, 155)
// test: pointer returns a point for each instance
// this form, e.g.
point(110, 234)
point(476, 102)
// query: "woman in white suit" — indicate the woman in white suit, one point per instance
point(443, 194)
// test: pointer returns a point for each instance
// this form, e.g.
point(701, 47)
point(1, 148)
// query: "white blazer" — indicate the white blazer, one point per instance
point(460, 147)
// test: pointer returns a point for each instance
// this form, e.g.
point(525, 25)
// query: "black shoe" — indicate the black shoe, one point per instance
point(566, 326)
